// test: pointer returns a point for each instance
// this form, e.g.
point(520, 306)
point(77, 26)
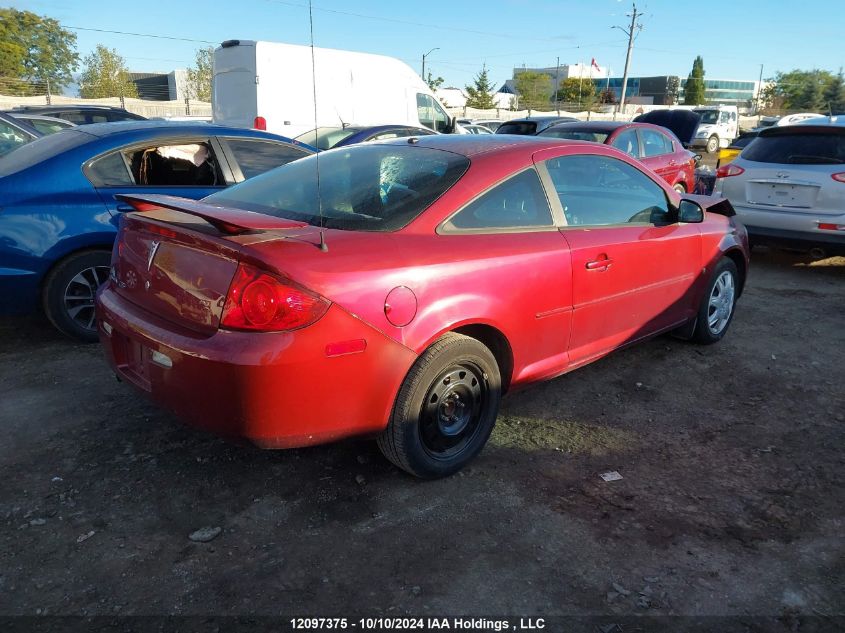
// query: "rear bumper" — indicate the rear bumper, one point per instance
point(833, 244)
point(792, 228)
point(278, 390)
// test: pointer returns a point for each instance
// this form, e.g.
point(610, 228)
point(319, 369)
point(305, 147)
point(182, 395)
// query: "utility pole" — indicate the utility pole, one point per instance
point(557, 87)
point(759, 90)
point(631, 32)
point(423, 60)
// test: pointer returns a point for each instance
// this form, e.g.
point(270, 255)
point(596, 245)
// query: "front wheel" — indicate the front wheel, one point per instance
point(712, 144)
point(679, 187)
point(445, 410)
point(717, 306)
point(69, 293)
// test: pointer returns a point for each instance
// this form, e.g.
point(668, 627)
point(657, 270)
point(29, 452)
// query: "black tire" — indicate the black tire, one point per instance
point(712, 144)
point(69, 289)
point(441, 419)
point(722, 313)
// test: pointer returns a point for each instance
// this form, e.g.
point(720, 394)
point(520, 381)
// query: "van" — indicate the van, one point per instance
point(270, 86)
point(719, 125)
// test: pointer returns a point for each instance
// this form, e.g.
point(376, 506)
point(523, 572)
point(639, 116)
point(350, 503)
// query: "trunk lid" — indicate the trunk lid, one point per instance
point(177, 258)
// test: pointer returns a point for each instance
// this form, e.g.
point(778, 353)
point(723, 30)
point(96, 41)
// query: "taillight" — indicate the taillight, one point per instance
point(261, 301)
point(840, 177)
point(726, 171)
point(260, 123)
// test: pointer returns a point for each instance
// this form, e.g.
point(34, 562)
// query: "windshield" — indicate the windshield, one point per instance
point(708, 117)
point(576, 135)
point(517, 127)
point(362, 187)
point(326, 137)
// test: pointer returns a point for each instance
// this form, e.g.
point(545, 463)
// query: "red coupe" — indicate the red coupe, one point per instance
point(654, 146)
point(399, 289)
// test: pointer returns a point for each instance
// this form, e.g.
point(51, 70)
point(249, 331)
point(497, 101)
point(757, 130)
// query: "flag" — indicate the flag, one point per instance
point(594, 64)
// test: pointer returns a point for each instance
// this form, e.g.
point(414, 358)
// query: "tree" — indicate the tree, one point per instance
point(834, 94)
point(434, 82)
point(534, 89)
point(34, 48)
point(481, 93)
point(694, 88)
point(575, 90)
point(607, 96)
point(199, 77)
point(105, 75)
point(800, 90)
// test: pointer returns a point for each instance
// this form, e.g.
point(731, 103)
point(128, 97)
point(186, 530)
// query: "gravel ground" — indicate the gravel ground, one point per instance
point(731, 501)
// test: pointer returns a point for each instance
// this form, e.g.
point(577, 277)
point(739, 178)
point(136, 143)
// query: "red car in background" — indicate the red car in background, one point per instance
point(655, 147)
point(398, 289)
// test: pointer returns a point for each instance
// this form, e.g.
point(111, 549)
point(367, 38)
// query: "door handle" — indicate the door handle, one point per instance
point(124, 208)
point(602, 263)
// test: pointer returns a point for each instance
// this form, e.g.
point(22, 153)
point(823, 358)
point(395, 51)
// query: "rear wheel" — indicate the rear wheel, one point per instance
point(69, 293)
point(679, 187)
point(445, 410)
point(712, 144)
point(717, 306)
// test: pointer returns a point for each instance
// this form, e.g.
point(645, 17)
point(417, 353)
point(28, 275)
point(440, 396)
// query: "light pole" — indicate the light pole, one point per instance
point(423, 61)
point(631, 32)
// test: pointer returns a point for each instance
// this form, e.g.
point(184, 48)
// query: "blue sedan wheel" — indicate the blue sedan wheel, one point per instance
point(69, 293)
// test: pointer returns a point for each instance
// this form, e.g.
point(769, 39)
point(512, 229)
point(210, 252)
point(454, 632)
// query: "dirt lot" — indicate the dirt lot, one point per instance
point(731, 501)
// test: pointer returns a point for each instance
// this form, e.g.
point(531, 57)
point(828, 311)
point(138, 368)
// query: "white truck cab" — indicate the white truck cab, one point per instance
point(272, 86)
point(719, 125)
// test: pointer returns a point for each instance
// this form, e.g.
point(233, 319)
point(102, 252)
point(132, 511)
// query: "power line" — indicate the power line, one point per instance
point(158, 37)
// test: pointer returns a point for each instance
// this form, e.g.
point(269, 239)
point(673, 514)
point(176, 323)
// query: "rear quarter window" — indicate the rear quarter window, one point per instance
point(810, 148)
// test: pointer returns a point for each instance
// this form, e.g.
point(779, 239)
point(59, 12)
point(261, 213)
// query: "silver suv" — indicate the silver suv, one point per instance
point(788, 187)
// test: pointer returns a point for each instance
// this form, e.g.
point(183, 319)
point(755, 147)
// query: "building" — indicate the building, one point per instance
point(170, 86)
point(742, 94)
point(564, 71)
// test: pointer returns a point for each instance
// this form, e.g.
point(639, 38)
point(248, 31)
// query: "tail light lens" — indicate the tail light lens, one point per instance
point(840, 177)
point(726, 171)
point(260, 123)
point(260, 301)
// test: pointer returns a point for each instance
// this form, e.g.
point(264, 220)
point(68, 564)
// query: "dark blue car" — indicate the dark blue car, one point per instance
point(331, 137)
point(58, 213)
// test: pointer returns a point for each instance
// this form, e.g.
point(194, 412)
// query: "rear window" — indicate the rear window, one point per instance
point(806, 148)
point(361, 188)
point(41, 149)
point(526, 128)
point(326, 137)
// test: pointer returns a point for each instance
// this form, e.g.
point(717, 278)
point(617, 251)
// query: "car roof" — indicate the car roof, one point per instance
point(68, 106)
point(104, 130)
point(470, 145)
point(536, 119)
point(837, 120)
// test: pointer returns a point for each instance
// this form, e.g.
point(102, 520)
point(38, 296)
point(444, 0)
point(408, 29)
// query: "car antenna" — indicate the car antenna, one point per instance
point(323, 246)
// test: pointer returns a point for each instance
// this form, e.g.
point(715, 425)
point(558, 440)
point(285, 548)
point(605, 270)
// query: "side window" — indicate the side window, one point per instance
point(389, 134)
point(598, 190)
point(11, 138)
point(183, 165)
point(109, 171)
point(73, 117)
point(256, 157)
point(627, 142)
point(655, 143)
point(431, 114)
point(519, 202)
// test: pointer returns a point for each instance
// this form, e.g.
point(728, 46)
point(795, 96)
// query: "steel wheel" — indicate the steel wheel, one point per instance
point(712, 144)
point(79, 296)
point(452, 409)
point(680, 188)
point(721, 303)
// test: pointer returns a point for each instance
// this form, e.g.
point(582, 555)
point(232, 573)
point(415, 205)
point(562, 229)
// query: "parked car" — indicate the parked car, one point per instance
point(41, 122)
point(329, 137)
point(682, 123)
point(472, 128)
point(656, 147)
point(532, 125)
point(490, 124)
point(59, 209)
point(727, 154)
point(82, 114)
point(15, 133)
point(425, 279)
point(788, 187)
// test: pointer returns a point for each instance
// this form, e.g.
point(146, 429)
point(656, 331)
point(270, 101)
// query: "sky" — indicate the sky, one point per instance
point(733, 38)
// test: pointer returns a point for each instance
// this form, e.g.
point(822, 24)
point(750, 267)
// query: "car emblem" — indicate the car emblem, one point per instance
point(153, 248)
point(781, 174)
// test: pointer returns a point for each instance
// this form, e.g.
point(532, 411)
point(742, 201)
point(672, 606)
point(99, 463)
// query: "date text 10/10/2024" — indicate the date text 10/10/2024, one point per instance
point(417, 624)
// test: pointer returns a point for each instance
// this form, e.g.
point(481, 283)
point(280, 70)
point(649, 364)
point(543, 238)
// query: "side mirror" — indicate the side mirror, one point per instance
point(690, 212)
point(452, 126)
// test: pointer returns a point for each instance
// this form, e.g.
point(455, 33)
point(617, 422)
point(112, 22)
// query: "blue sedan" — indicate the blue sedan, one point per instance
point(58, 212)
point(331, 137)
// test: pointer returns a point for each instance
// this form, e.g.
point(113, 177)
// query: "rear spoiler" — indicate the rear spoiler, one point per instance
point(224, 219)
point(712, 204)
